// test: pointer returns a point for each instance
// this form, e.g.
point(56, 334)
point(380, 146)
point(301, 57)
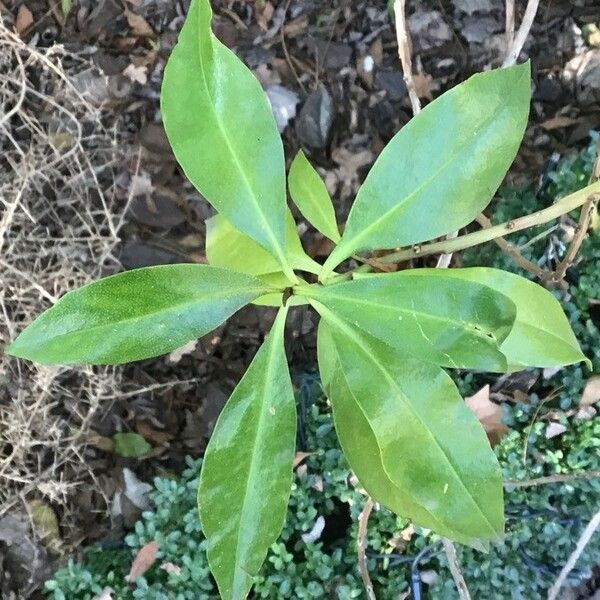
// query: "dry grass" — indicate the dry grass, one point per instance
point(60, 216)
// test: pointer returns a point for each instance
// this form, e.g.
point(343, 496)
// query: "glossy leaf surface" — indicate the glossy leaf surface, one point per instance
point(439, 320)
point(247, 470)
point(221, 127)
point(310, 195)
point(137, 314)
point(442, 168)
point(403, 420)
point(360, 443)
point(541, 335)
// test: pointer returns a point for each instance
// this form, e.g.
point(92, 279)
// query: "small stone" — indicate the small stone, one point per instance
point(314, 122)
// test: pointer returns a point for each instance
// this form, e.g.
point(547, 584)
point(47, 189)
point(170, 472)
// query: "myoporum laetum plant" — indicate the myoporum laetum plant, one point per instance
point(384, 339)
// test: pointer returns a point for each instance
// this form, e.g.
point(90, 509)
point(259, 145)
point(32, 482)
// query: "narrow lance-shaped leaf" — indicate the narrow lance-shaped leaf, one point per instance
point(247, 470)
point(310, 195)
point(459, 325)
point(221, 127)
point(430, 445)
point(541, 335)
point(137, 314)
point(442, 168)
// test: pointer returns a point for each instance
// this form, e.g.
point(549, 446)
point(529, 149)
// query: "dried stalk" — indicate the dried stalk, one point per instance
point(404, 53)
point(363, 520)
point(519, 40)
point(583, 541)
point(454, 565)
point(558, 478)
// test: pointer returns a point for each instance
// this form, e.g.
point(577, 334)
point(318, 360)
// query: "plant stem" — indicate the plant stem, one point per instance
point(363, 520)
point(563, 206)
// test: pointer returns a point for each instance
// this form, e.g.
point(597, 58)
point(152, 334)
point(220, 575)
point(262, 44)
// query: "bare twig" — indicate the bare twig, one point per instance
point(583, 541)
point(558, 478)
point(522, 33)
point(510, 23)
point(363, 520)
point(512, 251)
point(587, 211)
point(402, 36)
point(459, 580)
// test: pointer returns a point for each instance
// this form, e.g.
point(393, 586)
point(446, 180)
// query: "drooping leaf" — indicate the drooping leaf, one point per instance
point(137, 314)
point(541, 335)
point(221, 127)
point(247, 471)
point(131, 445)
point(442, 168)
point(430, 444)
point(310, 195)
point(432, 318)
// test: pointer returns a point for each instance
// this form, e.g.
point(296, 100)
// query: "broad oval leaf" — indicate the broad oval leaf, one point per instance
point(431, 447)
point(221, 127)
point(360, 444)
point(310, 195)
point(541, 335)
point(442, 168)
point(436, 319)
point(137, 314)
point(246, 475)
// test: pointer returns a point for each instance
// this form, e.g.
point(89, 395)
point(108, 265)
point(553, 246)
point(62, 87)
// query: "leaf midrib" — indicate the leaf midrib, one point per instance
point(255, 445)
point(173, 307)
point(348, 330)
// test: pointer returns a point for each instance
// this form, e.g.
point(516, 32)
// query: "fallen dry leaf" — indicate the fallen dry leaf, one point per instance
point(106, 594)
point(560, 122)
point(139, 25)
point(171, 568)
point(300, 457)
point(591, 392)
point(160, 438)
point(554, 429)
point(489, 414)
point(423, 82)
point(145, 558)
point(136, 74)
point(24, 19)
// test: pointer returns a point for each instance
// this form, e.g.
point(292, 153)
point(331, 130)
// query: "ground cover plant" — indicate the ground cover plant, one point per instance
point(542, 522)
point(384, 339)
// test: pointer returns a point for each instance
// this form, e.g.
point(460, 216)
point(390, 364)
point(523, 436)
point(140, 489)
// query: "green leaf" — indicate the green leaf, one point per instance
point(137, 314)
point(409, 437)
point(442, 168)
point(131, 445)
point(221, 127)
point(432, 318)
point(541, 335)
point(228, 247)
point(247, 470)
point(310, 195)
